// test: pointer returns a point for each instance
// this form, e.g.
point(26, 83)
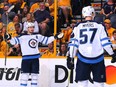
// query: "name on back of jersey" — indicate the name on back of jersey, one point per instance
point(88, 25)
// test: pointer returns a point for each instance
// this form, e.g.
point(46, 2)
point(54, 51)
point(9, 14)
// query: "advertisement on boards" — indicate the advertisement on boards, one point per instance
point(53, 73)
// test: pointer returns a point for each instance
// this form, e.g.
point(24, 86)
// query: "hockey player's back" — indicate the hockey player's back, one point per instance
point(89, 34)
point(90, 39)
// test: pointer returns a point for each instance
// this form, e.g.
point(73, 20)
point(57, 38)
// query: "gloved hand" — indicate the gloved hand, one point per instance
point(7, 36)
point(59, 35)
point(113, 58)
point(70, 62)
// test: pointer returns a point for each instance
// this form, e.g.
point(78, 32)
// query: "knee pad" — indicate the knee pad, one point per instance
point(34, 80)
point(83, 83)
point(23, 80)
point(99, 84)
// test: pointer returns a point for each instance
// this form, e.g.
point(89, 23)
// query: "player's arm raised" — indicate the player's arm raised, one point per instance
point(46, 40)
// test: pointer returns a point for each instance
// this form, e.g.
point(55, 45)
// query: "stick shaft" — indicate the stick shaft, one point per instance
point(69, 74)
point(6, 44)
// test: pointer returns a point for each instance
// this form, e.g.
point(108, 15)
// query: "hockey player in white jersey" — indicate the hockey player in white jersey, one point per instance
point(90, 39)
point(30, 53)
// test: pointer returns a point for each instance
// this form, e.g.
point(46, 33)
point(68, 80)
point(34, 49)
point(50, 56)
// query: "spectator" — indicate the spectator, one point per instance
point(109, 28)
point(18, 28)
point(77, 6)
point(67, 32)
point(51, 8)
point(3, 31)
point(1, 8)
point(14, 51)
point(25, 11)
point(63, 51)
point(108, 8)
point(11, 26)
point(12, 1)
point(43, 19)
point(30, 18)
point(17, 6)
point(3, 47)
point(31, 2)
point(114, 40)
point(66, 9)
point(6, 48)
point(1, 24)
point(50, 51)
point(34, 7)
point(4, 15)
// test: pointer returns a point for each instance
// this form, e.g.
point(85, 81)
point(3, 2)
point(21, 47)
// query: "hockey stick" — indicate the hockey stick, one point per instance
point(70, 74)
point(5, 69)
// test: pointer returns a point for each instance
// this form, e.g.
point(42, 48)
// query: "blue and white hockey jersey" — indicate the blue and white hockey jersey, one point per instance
point(29, 44)
point(90, 38)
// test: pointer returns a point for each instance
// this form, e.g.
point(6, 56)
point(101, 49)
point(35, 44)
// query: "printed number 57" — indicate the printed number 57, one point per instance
point(84, 36)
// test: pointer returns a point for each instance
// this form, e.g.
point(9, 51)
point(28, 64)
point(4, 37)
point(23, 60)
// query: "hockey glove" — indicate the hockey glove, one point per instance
point(70, 62)
point(113, 58)
point(7, 36)
point(59, 35)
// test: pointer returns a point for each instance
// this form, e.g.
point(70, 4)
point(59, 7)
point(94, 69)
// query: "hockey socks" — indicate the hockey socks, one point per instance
point(24, 79)
point(34, 80)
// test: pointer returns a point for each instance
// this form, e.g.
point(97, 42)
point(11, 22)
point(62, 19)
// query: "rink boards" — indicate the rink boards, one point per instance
point(53, 73)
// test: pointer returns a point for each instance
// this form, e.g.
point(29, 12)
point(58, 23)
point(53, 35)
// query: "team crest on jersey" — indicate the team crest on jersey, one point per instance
point(33, 43)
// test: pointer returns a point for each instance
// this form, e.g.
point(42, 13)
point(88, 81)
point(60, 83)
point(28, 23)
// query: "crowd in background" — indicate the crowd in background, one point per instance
point(41, 13)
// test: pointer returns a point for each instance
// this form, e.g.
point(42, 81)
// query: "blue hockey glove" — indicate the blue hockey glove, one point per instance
point(70, 62)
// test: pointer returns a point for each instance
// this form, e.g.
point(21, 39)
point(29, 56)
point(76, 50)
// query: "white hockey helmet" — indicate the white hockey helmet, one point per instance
point(30, 24)
point(88, 11)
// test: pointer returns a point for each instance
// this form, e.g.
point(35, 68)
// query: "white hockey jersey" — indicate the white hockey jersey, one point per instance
point(29, 44)
point(90, 38)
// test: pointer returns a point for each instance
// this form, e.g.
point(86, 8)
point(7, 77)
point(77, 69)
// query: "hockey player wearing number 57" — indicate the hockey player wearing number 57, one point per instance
point(30, 53)
point(90, 39)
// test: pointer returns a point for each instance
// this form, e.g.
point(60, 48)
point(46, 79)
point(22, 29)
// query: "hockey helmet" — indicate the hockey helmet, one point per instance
point(30, 24)
point(88, 11)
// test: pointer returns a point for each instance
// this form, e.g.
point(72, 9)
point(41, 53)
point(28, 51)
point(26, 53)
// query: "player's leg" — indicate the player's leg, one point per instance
point(24, 79)
point(98, 84)
point(82, 73)
point(34, 80)
point(83, 83)
point(35, 72)
point(25, 70)
point(99, 74)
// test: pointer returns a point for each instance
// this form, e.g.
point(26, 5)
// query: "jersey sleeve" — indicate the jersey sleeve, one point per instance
point(105, 41)
point(14, 41)
point(73, 43)
point(45, 40)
